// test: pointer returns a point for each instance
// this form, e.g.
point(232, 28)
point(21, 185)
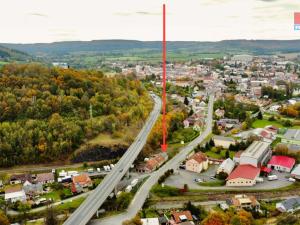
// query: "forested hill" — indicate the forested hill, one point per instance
point(45, 112)
point(123, 46)
point(12, 54)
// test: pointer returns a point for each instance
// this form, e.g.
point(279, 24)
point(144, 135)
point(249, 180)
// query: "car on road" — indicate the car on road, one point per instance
point(182, 167)
point(212, 177)
point(121, 170)
point(272, 177)
point(292, 179)
point(198, 180)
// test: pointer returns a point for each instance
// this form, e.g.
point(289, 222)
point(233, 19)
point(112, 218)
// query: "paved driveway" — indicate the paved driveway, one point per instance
point(182, 177)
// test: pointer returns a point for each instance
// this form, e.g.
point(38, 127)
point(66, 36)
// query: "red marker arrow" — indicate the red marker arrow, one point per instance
point(164, 146)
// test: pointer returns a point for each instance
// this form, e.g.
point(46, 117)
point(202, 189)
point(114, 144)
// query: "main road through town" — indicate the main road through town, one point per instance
point(89, 207)
point(142, 194)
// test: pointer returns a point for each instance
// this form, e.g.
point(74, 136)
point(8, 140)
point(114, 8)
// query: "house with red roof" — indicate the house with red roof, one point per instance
point(281, 163)
point(197, 162)
point(181, 217)
point(83, 180)
point(243, 175)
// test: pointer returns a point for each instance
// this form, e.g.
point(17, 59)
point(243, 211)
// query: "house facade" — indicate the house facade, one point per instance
point(197, 163)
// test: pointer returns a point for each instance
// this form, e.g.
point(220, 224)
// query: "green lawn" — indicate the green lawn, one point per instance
point(263, 123)
point(53, 195)
point(215, 183)
point(214, 155)
point(70, 205)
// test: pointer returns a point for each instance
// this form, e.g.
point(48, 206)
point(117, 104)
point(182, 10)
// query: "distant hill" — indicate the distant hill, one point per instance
point(12, 54)
point(121, 46)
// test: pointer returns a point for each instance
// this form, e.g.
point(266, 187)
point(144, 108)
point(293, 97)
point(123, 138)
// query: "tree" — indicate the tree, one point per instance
point(215, 129)
point(216, 218)
point(134, 221)
point(227, 155)
point(3, 219)
point(24, 209)
point(186, 101)
point(50, 218)
point(259, 115)
point(211, 143)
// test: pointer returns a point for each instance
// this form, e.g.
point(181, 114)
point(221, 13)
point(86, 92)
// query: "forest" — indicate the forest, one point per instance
point(46, 113)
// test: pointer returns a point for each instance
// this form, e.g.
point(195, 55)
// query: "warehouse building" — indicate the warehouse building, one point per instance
point(257, 154)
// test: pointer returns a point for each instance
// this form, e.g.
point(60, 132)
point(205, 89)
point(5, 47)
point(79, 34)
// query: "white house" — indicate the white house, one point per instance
point(15, 194)
point(296, 172)
point(226, 166)
point(197, 163)
point(222, 141)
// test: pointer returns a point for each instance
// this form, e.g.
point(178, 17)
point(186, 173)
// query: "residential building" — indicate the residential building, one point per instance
point(244, 202)
point(243, 175)
point(226, 166)
point(15, 194)
point(83, 180)
point(181, 217)
point(20, 178)
point(32, 189)
point(150, 221)
point(222, 141)
point(281, 163)
point(153, 163)
point(257, 154)
point(197, 163)
point(296, 172)
point(291, 136)
point(45, 178)
point(289, 205)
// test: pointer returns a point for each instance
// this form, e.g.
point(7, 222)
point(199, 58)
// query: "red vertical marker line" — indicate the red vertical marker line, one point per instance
point(164, 125)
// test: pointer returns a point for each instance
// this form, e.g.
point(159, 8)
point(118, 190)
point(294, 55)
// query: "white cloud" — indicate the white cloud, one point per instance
point(205, 20)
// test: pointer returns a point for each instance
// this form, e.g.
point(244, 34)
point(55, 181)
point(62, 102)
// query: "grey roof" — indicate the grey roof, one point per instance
point(292, 134)
point(291, 203)
point(218, 137)
point(256, 149)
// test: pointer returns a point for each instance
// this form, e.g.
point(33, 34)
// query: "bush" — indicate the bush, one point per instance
point(165, 191)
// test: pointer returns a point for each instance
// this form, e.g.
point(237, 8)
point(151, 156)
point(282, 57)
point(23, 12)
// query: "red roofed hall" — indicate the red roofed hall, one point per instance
point(281, 163)
point(243, 175)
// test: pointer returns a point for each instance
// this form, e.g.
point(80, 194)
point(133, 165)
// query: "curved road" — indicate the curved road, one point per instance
point(142, 194)
point(89, 207)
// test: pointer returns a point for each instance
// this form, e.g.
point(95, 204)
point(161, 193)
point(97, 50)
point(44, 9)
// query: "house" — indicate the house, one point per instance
point(76, 188)
point(14, 194)
point(83, 180)
point(181, 217)
point(243, 175)
point(45, 178)
point(237, 156)
point(281, 163)
point(153, 163)
point(150, 221)
point(296, 172)
point(20, 178)
point(222, 141)
point(257, 154)
point(197, 162)
point(32, 189)
point(227, 123)
point(244, 202)
point(291, 136)
point(220, 113)
point(289, 205)
point(226, 166)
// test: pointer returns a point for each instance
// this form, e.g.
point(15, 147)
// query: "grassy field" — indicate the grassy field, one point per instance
point(222, 154)
point(263, 123)
point(70, 205)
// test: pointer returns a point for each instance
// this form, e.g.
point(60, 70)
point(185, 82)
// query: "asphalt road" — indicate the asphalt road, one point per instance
point(89, 207)
point(142, 194)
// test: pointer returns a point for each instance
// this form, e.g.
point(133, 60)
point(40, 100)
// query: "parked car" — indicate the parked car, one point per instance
point(182, 167)
point(198, 180)
point(212, 177)
point(272, 177)
point(292, 179)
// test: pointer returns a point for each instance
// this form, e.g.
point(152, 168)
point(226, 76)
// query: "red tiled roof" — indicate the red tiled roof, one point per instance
point(280, 160)
point(244, 171)
point(199, 157)
point(82, 179)
point(44, 177)
point(176, 216)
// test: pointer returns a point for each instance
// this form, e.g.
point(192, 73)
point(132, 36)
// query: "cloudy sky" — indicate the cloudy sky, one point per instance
point(29, 21)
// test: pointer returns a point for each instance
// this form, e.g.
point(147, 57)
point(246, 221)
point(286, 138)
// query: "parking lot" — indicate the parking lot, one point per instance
point(182, 177)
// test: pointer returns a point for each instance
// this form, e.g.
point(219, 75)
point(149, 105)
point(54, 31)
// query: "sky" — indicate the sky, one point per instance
point(32, 21)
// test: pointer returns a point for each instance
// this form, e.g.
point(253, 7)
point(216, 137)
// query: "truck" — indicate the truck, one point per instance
point(62, 173)
point(98, 170)
point(272, 177)
point(259, 180)
point(90, 170)
point(134, 182)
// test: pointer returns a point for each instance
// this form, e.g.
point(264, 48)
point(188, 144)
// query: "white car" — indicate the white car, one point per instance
point(198, 180)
